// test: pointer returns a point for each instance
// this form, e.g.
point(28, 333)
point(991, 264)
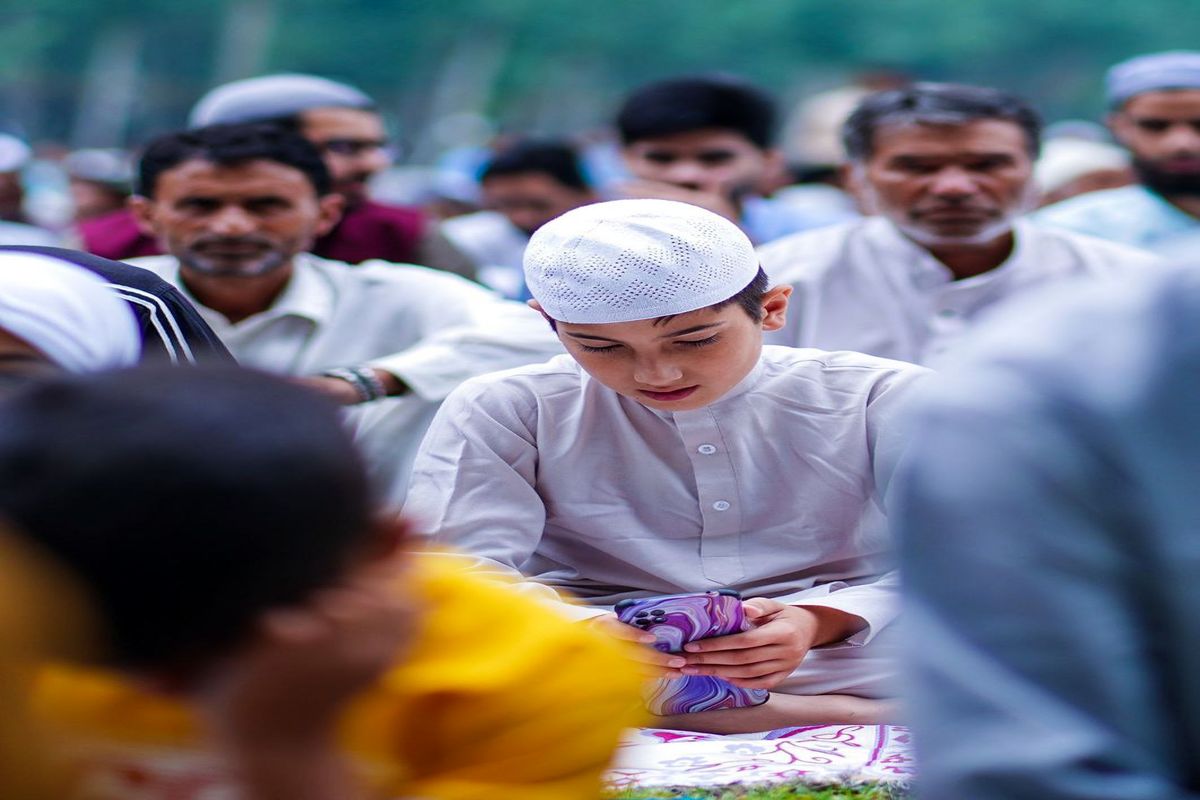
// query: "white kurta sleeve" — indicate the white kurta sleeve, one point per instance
point(473, 484)
point(469, 331)
point(876, 602)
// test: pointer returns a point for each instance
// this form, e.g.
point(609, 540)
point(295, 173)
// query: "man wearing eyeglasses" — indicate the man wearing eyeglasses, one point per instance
point(348, 130)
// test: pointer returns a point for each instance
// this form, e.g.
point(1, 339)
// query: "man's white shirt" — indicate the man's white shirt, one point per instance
point(864, 286)
point(430, 329)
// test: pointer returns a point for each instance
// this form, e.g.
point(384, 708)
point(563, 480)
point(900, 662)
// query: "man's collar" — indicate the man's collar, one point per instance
point(924, 269)
point(307, 295)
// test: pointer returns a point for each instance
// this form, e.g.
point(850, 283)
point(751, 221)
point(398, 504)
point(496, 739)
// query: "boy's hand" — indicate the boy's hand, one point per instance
point(665, 665)
point(763, 657)
point(285, 690)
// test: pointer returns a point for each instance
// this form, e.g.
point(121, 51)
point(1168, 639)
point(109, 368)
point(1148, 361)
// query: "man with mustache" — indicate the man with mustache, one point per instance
point(346, 127)
point(947, 172)
point(1155, 112)
point(238, 208)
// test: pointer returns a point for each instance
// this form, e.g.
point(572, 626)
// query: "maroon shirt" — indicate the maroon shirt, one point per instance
point(371, 230)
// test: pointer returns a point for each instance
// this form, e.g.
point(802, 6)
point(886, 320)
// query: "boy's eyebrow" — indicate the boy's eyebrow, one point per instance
point(589, 336)
point(671, 335)
point(693, 329)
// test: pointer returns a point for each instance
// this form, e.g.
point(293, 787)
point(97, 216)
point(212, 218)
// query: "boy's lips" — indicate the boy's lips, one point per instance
point(674, 394)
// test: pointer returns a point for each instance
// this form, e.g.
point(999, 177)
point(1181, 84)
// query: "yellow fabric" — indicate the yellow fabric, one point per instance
point(499, 697)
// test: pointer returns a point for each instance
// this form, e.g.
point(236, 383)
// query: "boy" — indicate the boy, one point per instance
point(710, 140)
point(220, 522)
point(669, 451)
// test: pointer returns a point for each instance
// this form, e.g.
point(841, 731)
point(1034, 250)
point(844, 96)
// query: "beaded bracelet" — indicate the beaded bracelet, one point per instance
point(365, 382)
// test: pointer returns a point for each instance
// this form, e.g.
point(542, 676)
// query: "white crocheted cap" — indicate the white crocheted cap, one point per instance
point(628, 260)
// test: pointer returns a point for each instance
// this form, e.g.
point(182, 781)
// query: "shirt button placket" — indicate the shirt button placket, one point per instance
point(720, 543)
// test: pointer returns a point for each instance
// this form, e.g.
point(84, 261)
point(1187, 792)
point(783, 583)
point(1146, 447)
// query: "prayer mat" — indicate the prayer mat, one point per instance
point(821, 754)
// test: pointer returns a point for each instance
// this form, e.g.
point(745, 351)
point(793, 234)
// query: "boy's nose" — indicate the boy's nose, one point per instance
point(657, 373)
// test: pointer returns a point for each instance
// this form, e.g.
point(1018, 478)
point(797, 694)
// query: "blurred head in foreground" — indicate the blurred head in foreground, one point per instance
point(186, 503)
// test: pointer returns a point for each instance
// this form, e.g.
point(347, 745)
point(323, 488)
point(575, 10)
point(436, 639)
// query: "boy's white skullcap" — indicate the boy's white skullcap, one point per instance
point(628, 260)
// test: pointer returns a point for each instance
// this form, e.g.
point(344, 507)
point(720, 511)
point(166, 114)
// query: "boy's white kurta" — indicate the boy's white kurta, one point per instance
point(865, 286)
point(774, 490)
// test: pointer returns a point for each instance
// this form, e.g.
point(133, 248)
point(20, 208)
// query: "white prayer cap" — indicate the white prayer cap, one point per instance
point(14, 154)
point(1176, 69)
point(1065, 160)
point(273, 96)
point(67, 312)
point(628, 260)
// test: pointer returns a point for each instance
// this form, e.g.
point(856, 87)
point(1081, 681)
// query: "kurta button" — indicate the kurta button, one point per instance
point(721, 505)
point(706, 449)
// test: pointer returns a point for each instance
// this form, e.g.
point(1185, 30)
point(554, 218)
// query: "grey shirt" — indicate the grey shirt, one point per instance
point(1050, 518)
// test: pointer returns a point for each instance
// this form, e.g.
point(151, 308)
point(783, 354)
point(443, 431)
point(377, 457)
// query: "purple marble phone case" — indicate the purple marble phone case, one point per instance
point(676, 620)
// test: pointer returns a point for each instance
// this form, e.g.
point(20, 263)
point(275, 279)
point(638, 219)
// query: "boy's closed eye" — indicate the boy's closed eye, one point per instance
point(689, 343)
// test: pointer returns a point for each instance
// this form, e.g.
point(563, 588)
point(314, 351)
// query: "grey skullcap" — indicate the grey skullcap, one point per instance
point(110, 167)
point(14, 153)
point(272, 96)
point(628, 260)
point(1177, 69)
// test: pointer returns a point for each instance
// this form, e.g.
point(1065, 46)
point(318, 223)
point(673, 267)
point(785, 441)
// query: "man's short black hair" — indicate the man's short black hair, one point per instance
point(553, 158)
point(184, 501)
point(937, 104)
point(749, 298)
point(682, 105)
point(233, 144)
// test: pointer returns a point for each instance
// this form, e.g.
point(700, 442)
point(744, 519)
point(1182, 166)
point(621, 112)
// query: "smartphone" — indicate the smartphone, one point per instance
point(676, 620)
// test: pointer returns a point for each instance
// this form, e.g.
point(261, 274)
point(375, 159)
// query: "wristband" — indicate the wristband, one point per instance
point(364, 390)
point(368, 377)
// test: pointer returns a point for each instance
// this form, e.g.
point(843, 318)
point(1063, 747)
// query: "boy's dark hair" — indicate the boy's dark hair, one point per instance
point(184, 501)
point(749, 298)
point(230, 145)
point(936, 104)
point(695, 103)
point(553, 158)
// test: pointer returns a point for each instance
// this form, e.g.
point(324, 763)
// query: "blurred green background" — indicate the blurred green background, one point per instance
point(112, 73)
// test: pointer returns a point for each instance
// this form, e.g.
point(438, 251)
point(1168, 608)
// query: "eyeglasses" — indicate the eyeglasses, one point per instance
point(352, 147)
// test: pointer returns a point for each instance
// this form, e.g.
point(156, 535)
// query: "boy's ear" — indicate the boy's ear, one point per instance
point(536, 306)
point(774, 305)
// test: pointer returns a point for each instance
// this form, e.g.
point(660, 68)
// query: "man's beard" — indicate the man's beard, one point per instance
point(1167, 183)
point(267, 262)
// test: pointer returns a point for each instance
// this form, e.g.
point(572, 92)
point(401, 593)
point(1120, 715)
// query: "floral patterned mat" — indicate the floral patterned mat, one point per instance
point(819, 753)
